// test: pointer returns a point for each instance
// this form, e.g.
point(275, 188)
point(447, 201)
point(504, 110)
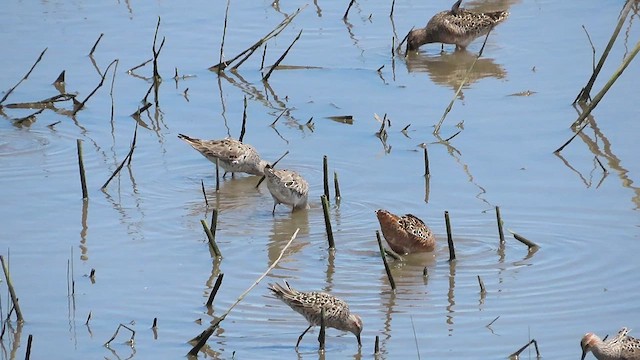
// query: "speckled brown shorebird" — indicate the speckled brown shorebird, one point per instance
point(456, 26)
point(233, 156)
point(621, 347)
point(310, 305)
point(287, 187)
point(406, 234)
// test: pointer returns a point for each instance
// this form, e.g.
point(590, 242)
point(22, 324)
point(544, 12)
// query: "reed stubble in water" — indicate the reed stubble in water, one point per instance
point(212, 238)
point(216, 287)
point(530, 244)
point(131, 340)
point(275, 65)
point(452, 250)
point(128, 157)
point(387, 269)
point(12, 292)
point(325, 176)
point(517, 353)
point(202, 338)
point(79, 105)
point(499, 220)
point(6, 95)
point(321, 334)
point(327, 221)
point(83, 178)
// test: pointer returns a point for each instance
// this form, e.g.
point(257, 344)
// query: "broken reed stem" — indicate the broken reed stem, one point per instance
point(346, 13)
point(517, 352)
point(88, 318)
point(336, 186)
point(6, 95)
point(95, 45)
point(279, 116)
point(131, 340)
point(321, 334)
point(530, 244)
point(129, 155)
point(464, 80)
point(426, 162)
point(212, 239)
point(327, 221)
point(216, 286)
point(224, 34)
point(384, 261)
point(275, 65)
point(12, 292)
point(206, 201)
point(483, 290)
point(244, 120)
point(272, 165)
point(83, 179)
point(593, 52)
point(264, 55)
point(277, 30)
point(393, 4)
point(452, 250)
point(77, 107)
point(492, 321)
point(583, 96)
point(214, 222)
point(28, 353)
point(376, 346)
point(415, 336)
point(156, 75)
point(499, 219)
point(154, 324)
point(607, 86)
point(325, 176)
point(204, 336)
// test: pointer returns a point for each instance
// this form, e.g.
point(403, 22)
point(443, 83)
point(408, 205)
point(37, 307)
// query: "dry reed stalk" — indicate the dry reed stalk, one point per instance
point(325, 176)
point(202, 338)
point(206, 201)
point(336, 186)
point(217, 175)
point(29, 342)
point(483, 290)
point(327, 221)
point(275, 65)
point(131, 340)
point(516, 354)
point(499, 220)
point(277, 30)
point(530, 244)
point(12, 292)
point(464, 80)
point(6, 95)
point(584, 94)
point(426, 162)
point(95, 45)
point(128, 157)
point(211, 238)
point(452, 250)
point(224, 34)
point(78, 106)
point(387, 269)
point(216, 287)
point(376, 346)
point(83, 179)
point(243, 129)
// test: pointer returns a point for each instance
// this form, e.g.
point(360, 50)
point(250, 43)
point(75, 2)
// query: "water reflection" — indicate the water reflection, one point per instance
point(282, 229)
point(450, 69)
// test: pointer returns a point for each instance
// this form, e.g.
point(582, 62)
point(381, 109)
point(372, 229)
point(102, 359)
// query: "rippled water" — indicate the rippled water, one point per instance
point(143, 236)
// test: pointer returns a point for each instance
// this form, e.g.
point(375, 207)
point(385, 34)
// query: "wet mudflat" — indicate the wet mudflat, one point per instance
point(143, 237)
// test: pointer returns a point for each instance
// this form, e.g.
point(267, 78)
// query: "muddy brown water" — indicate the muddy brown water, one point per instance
point(143, 236)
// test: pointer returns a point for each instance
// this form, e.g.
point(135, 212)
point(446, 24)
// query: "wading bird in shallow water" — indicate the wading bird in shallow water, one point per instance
point(310, 305)
point(621, 347)
point(406, 234)
point(456, 26)
point(287, 187)
point(233, 156)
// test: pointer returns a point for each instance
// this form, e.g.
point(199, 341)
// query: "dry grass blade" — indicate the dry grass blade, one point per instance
point(275, 65)
point(204, 336)
point(6, 95)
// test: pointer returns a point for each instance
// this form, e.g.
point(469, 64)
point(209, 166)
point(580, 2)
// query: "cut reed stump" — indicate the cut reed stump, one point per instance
point(452, 250)
point(12, 292)
point(327, 221)
point(83, 179)
point(212, 239)
point(387, 269)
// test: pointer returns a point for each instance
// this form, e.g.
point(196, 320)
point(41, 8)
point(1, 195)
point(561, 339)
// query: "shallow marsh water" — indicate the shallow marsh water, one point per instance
point(143, 234)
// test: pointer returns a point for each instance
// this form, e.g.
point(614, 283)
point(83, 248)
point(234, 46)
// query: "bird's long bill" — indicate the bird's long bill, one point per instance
point(584, 354)
point(359, 342)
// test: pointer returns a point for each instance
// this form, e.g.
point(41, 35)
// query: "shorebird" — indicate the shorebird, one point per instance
point(621, 347)
point(456, 26)
point(233, 156)
point(405, 234)
point(287, 187)
point(310, 305)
